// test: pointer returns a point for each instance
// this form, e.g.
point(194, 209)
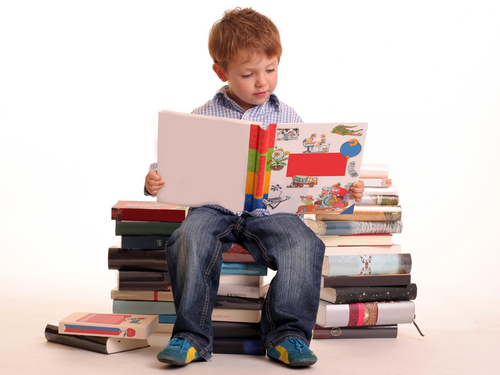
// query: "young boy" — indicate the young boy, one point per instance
point(246, 50)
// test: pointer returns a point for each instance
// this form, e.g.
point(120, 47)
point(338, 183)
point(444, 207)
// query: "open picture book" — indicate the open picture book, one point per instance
point(244, 165)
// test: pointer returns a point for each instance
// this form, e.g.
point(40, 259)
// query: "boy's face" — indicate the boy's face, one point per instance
point(251, 82)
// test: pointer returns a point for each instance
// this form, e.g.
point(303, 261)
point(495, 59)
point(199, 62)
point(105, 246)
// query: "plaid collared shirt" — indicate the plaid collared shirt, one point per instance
point(271, 112)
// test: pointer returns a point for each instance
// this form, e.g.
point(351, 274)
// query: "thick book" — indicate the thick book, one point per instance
point(242, 280)
point(167, 318)
point(143, 307)
point(144, 242)
point(363, 332)
point(143, 281)
point(223, 329)
point(237, 253)
point(379, 200)
point(251, 269)
point(383, 190)
point(145, 228)
point(377, 182)
point(365, 314)
point(142, 295)
point(353, 227)
point(361, 250)
point(128, 325)
point(105, 345)
point(136, 259)
point(367, 264)
point(357, 239)
point(148, 211)
point(236, 315)
point(355, 294)
point(244, 165)
point(228, 302)
point(366, 280)
point(367, 213)
point(238, 346)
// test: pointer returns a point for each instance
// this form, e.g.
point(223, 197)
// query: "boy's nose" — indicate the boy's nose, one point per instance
point(261, 80)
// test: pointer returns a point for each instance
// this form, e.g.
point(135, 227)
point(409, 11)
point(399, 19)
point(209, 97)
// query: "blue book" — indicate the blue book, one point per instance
point(167, 319)
point(362, 227)
point(252, 269)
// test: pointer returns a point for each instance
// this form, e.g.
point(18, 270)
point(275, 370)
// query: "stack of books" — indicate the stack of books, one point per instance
point(238, 307)
point(143, 283)
point(103, 333)
point(366, 286)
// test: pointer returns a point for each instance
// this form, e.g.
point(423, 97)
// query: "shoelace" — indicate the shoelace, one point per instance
point(298, 345)
point(177, 342)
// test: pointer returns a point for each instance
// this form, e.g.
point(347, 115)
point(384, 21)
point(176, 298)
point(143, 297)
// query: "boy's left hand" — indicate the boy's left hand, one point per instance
point(357, 190)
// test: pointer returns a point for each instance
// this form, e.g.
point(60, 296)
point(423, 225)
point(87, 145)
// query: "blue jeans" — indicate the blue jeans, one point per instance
point(280, 241)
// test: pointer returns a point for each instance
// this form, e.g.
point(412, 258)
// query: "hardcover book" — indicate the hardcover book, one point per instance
point(142, 295)
point(144, 242)
point(357, 239)
point(251, 269)
point(369, 294)
point(148, 211)
point(366, 280)
point(361, 250)
point(143, 307)
point(223, 329)
point(354, 227)
point(237, 254)
point(367, 264)
point(143, 281)
point(366, 213)
point(145, 228)
point(105, 345)
point(365, 314)
point(136, 259)
point(236, 315)
point(243, 291)
point(363, 332)
point(379, 200)
point(299, 168)
point(374, 171)
point(132, 326)
point(238, 346)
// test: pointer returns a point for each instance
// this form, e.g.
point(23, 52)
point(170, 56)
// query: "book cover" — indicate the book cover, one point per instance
point(148, 211)
point(142, 295)
point(237, 253)
point(167, 319)
point(384, 239)
point(368, 264)
point(242, 280)
point(238, 346)
point(143, 281)
point(363, 332)
point(143, 307)
point(236, 315)
point(144, 242)
point(361, 250)
point(136, 259)
point(105, 345)
point(369, 294)
point(379, 200)
point(132, 326)
point(287, 168)
point(365, 314)
point(145, 228)
point(227, 302)
point(236, 330)
point(251, 269)
point(354, 227)
point(366, 213)
point(366, 280)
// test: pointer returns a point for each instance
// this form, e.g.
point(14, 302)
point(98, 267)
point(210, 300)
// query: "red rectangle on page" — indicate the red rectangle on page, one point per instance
point(316, 164)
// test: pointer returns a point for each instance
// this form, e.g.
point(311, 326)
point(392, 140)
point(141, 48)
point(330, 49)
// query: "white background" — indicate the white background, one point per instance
point(81, 82)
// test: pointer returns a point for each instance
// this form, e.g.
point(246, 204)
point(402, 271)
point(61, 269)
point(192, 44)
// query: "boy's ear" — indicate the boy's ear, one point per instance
point(220, 72)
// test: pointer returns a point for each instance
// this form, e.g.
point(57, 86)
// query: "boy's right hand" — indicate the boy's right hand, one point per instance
point(154, 182)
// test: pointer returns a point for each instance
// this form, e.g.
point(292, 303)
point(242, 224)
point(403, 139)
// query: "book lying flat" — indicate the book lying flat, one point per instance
point(366, 213)
point(143, 307)
point(148, 211)
point(105, 345)
point(133, 326)
point(355, 294)
point(353, 227)
point(243, 165)
point(136, 259)
point(142, 295)
point(357, 240)
point(366, 264)
point(361, 250)
point(365, 314)
point(238, 346)
point(363, 332)
point(366, 280)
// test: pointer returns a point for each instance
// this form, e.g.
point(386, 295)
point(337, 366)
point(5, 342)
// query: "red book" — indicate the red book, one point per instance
point(148, 211)
point(237, 254)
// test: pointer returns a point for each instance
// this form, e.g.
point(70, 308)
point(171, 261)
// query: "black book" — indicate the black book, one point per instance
point(238, 346)
point(136, 259)
point(364, 332)
point(105, 345)
point(239, 330)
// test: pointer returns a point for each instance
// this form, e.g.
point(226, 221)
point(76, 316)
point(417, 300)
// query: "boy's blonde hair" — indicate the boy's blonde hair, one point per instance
point(243, 31)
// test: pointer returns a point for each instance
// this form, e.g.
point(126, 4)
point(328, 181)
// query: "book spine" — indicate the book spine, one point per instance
point(380, 200)
point(238, 346)
point(362, 227)
point(236, 330)
point(137, 260)
point(365, 280)
point(371, 264)
point(366, 213)
point(144, 242)
point(143, 307)
point(142, 295)
point(251, 269)
point(373, 294)
point(368, 332)
point(262, 172)
point(145, 228)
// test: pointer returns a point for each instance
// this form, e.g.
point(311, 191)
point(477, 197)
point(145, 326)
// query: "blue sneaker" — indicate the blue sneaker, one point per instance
point(293, 352)
point(178, 352)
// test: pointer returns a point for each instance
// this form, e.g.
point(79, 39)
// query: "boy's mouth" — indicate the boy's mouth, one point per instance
point(260, 94)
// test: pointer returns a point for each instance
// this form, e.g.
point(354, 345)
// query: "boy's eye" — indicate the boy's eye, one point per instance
point(246, 75)
point(270, 70)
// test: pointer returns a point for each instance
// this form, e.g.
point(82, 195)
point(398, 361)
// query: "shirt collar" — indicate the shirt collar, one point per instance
point(222, 97)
